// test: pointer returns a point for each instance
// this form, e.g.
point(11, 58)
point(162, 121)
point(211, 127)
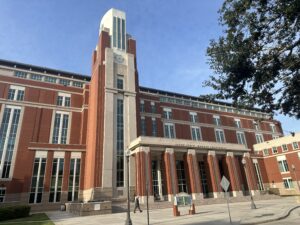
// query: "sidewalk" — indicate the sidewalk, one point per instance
point(267, 210)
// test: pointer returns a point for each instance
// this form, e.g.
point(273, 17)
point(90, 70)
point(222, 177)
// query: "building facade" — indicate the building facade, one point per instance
point(280, 163)
point(64, 136)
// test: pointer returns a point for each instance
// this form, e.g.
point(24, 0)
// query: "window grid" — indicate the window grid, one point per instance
point(20, 74)
point(241, 138)
point(237, 123)
point(50, 79)
point(266, 151)
point(153, 107)
point(274, 150)
point(36, 77)
point(142, 106)
point(8, 133)
point(288, 183)
point(143, 126)
point(284, 148)
point(16, 93)
point(182, 185)
point(74, 179)
point(196, 134)
point(168, 114)
point(154, 127)
point(283, 166)
point(56, 180)
point(295, 145)
point(217, 120)
point(63, 100)
point(193, 117)
point(259, 138)
point(37, 181)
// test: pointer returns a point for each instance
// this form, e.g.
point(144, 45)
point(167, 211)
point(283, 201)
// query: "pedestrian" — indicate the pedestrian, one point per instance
point(136, 203)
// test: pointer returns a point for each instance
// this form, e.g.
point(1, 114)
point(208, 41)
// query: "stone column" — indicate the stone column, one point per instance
point(143, 174)
point(215, 175)
point(250, 174)
point(159, 178)
point(233, 175)
point(194, 176)
point(171, 174)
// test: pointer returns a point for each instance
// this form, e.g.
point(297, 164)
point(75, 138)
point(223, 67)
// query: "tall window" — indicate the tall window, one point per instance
point(74, 178)
point(196, 134)
point(120, 143)
point(8, 132)
point(167, 113)
point(154, 127)
point(220, 137)
point(203, 175)
point(37, 181)
point(266, 151)
point(63, 99)
point(256, 125)
point(193, 117)
point(153, 107)
point(16, 93)
point(2, 194)
point(288, 183)
point(60, 129)
point(258, 174)
point(56, 179)
point(142, 106)
point(169, 130)
point(241, 138)
point(217, 120)
point(120, 82)
point(119, 33)
point(274, 150)
point(273, 128)
point(143, 126)
point(259, 138)
point(284, 147)
point(283, 166)
point(182, 187)
point(237, 123)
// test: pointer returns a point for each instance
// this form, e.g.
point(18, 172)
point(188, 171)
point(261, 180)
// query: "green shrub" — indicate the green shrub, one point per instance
point(13, 212)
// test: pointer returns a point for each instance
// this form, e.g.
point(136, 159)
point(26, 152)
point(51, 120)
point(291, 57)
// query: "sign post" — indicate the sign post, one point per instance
point(225, 185)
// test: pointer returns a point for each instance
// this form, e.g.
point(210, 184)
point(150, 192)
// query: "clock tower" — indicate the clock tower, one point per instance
point(112, 122)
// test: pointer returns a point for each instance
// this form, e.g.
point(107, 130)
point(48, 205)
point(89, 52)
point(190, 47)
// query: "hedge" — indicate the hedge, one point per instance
point(14, 212)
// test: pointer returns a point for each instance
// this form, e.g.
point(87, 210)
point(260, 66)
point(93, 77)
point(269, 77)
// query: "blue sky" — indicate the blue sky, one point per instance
point(172, 37)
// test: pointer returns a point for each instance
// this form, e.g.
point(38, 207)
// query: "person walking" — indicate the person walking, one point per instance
point(137, 203)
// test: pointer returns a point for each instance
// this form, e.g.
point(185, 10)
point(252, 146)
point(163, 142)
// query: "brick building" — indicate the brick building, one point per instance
point(63, 136)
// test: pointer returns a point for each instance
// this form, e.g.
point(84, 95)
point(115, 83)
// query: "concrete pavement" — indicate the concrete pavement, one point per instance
point(267, 210)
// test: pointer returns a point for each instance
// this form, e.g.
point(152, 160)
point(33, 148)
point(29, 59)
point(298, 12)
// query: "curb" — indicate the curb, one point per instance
point(284, 215)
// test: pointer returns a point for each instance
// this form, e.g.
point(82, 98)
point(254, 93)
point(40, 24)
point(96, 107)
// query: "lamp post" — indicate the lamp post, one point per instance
point(253, 206)
point(128, 219)
point(294, 170)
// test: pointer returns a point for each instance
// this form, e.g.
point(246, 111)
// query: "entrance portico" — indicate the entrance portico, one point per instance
point(171, 166)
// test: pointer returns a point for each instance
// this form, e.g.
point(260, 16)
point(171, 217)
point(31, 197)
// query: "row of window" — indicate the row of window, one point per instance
point(16, 93)
point(169, 132)
point(48, 79)
point(37, 181)
point(205, 105)
point(283, 147)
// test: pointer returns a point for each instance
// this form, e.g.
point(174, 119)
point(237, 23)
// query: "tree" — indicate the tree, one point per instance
point(257, 60)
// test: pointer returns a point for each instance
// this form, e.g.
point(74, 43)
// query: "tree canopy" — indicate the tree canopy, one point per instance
point(257, 60)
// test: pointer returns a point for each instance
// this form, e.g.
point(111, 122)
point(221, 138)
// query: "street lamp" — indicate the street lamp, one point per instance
point(128, 219)
point(294, 170)
point(253, 206)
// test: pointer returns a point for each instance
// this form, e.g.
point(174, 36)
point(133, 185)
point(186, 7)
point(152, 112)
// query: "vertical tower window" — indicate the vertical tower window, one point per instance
point(114, 31)
point(74, 178)
point(143, 126)
point(119, 32)
point(56, 179)
point(16, 93)
point(120, 143)
point(37, 181)
point(8, 132)
point(196, 134)
point(154, 127)
point(123, 34)
point(120, 82)
point(60, 129)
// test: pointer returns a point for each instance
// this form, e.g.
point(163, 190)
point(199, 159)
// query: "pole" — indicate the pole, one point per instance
point(147, 187)
point(253, 206)
point(226, 193)
point(128, 219)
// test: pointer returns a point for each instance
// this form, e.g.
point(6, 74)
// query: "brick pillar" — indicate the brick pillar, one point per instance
point(250, 174)
point(194, 176)
point(214, 171)
point(233, 175)
point(171, 174)
point(143, 174)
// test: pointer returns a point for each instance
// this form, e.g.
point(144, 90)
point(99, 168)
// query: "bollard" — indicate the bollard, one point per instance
point(175, 211)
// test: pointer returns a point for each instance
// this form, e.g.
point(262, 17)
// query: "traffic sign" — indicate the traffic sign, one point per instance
point(225, 183)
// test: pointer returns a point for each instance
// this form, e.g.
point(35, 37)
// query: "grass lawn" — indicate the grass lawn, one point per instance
point(34, 219)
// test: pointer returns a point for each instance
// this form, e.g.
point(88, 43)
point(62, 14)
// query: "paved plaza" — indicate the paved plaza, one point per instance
point(267, 210)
